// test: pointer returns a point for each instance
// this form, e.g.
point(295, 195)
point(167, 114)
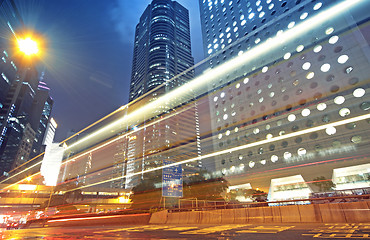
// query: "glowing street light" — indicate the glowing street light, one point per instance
point(28, 46)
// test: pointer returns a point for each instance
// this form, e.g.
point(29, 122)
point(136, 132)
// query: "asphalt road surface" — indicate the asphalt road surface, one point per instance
point(204, 232)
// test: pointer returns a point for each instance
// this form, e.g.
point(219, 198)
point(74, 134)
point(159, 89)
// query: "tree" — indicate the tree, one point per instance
point(323, 184)
point(145, 194)
point(197, 186)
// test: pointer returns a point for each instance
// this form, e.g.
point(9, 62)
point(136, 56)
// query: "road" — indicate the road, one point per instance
point(204, 232)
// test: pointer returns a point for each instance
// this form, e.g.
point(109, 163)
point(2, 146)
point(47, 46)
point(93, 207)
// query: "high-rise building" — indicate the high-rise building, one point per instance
point(162, 50)
point(41, 119)
point(24, 104)
point(295, 68)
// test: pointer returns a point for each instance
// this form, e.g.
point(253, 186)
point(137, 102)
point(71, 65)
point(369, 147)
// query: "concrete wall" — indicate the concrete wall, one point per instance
point(352, 212)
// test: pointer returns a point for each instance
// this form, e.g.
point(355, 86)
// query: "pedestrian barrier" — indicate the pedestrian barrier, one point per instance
point(159, 217)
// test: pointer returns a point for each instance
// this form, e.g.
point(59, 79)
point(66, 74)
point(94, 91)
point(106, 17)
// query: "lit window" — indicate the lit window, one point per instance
point(300, 48)
point(291, 24)
point(246, 80)
point(317, 48)
point(321, 106)
point(339, 100)
point(331, 130)
point(274, 158)
point(306, 65)
point(251, 164)
point(325, 67)
point(344, 112)
point(333, 39)
point(291, 117)
point(301, 151)
point(310, 75)
point(329, 31)
point(343, 59)
point(287, 56)
point(303, 16)
point(359, 92)
point(317, 6)
point(287, 155)
point(306, 112)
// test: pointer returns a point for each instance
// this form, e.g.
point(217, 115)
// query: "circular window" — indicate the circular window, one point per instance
point(274, 158)
point(331, 130)
point(343, 59)
point(339, 100)
point(298, 140)
point(325, 67)
point(251, 164)
point(353, 81)
point(356, 139)
point(287, 155)
point(344, 112)
point(306, 112)
point(325, 119)
point(309, 123)
point(284, 144)
point(301, 151)
point(365, 106)
point(317, 48)
point(272, 147)
point(314, 135)
point(321, 106)
point(291, 117)
point(333, 39)
point(351, 126)
point(359, 92)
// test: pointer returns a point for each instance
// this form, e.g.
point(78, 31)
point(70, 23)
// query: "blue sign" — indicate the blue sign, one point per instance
point(171, 180)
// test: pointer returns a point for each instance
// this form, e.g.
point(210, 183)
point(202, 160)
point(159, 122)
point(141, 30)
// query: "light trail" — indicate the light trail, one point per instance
point(202, 81)
point(238, 148)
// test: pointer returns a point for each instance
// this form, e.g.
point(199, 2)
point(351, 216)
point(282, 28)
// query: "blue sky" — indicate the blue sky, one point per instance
point(89, 53)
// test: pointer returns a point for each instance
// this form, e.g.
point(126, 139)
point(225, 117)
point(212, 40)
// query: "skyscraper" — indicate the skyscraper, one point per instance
point(25, 105)
point(296, 67)
point(162, 50)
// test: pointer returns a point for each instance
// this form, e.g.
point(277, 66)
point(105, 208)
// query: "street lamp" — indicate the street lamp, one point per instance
point(28, 46)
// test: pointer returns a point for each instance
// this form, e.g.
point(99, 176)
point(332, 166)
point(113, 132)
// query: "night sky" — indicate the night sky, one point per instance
point(88, 56)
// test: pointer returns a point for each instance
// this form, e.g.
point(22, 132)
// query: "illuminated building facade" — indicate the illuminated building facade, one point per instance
point(162, 50)
point(298, 108)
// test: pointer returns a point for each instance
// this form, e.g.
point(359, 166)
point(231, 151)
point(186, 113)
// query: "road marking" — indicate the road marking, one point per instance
point(266, 229)
point(342, 230)
point(181, 228)
point(214, 229)
point(135, 229)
